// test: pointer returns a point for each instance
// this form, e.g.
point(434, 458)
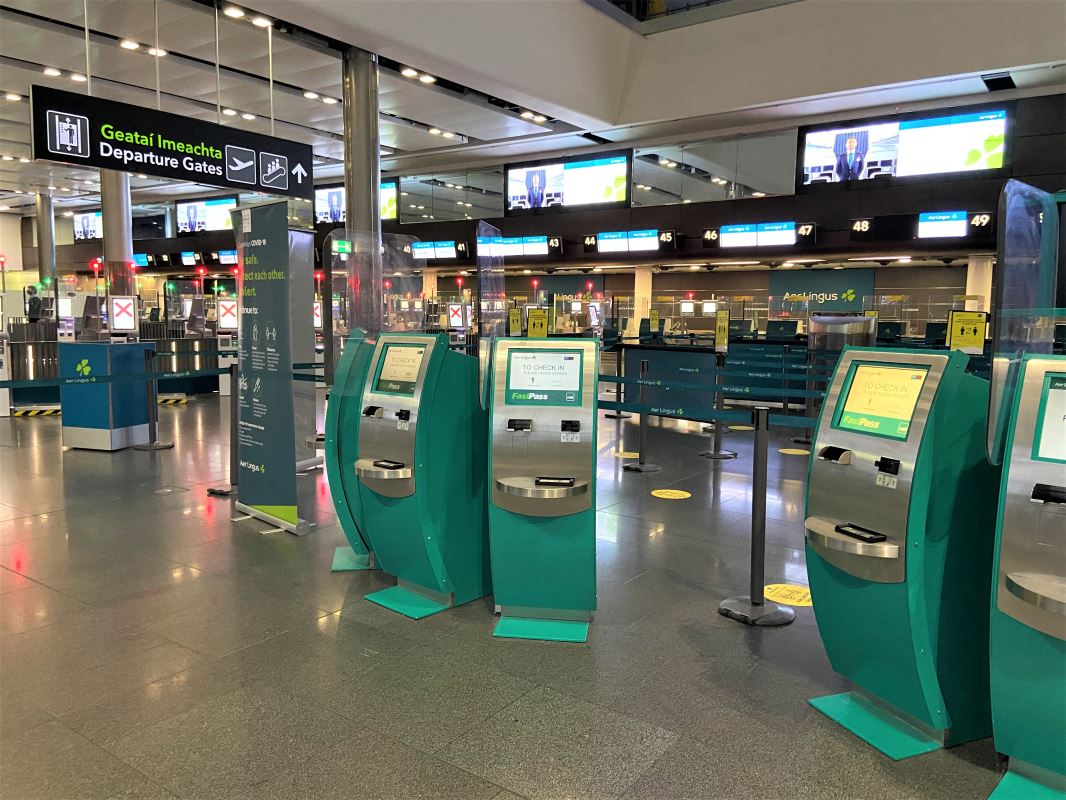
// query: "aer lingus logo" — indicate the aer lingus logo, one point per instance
point(83, 368)
point(848, 295)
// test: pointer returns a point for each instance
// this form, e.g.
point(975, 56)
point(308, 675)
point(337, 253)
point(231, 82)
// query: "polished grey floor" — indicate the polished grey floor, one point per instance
point(154, 648)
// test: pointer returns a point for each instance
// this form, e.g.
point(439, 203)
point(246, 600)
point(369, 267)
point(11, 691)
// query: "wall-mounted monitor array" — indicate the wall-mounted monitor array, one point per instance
point(88, 225)
point(438, 250)
point(905, 146)
point(205, 215)
point(514, 246)
point(760, 234)
point(600, 180)
point(951, 224)
point(330, 204)
point(642, 241)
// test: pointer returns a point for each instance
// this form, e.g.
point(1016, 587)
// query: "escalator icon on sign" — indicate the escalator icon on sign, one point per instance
point(68, 134)
point(273, 171)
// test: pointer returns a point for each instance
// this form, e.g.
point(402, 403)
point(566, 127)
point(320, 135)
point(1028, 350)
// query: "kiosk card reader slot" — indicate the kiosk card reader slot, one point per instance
point(898, 506)
point(1028, 626)
point(542, 516)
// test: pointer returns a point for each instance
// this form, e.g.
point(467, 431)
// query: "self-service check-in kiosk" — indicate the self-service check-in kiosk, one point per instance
point(421, 469)
point(542, 507)
point(1028, 630)
point(899, 529)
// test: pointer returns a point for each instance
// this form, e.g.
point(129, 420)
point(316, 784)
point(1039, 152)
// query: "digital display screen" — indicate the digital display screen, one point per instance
point(399, 369)
point(881, 400)
point(228, 257)
point(66, 307)
point(188, 258)
point(575, 306)
point(205, 215)
point(1050, 441)
point(422, 249)
point(942, 224)
point(572, 183)
point(140, 259)
point(643, 241)
point(929, 146)
point(612, 242)
point(543, 377)
point(738, 236)
point(88, 226)
point(330, 206)
point(534, 245)
point(444, 249)
point(775, 233)
point(688, 308)
point(123, 315)
point(709, 308)
point(594, 315)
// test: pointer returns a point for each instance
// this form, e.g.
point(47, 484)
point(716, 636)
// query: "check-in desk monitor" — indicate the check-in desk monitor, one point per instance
point(1028, 631)
point(898, 536)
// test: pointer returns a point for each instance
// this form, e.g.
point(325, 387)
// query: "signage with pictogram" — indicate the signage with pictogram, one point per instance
point(123, 316)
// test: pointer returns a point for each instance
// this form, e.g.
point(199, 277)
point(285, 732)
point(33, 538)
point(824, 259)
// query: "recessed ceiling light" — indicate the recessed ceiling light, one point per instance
point(262, 22)
point(527, 115)
point(229, 112)
point(458, 202)
point(68, 213)
point(904, 260)
point(129, 44)
point(687, 200)
point(24, 160)
point(758, 194)
point(246, 115)
point(66, 188)
point(311, 95)
point(77, 77)
point(425, 216)
point(52, 72)
point(695, 267)
point(329, 101)
point(408, 72)
point(427, 78)
point(5, 208)
point(14, 98)
point(540, 118)
point(435, 131)
point(597, 269)
point(142, 176)
point(412, 205)
point(421, 207)
point(527, 272)
point(233, 11)
point(403, 194)
point(448, 135)
point(159, 53)
point(8, 158)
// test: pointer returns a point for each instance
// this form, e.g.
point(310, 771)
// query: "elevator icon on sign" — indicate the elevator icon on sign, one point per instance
point(68, 134)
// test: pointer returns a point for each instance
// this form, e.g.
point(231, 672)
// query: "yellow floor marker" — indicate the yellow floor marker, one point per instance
point(671, 494)
point(626, 454)
point(741, 428)
point(790, 594)
point(794, 451)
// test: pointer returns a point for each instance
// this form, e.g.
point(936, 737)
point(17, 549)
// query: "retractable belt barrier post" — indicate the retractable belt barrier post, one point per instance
point(234, 458)
point(153, 410)
point(808, 401)
point(619, 357)
point(753, 609)
point(642, 465)
point(716, 453)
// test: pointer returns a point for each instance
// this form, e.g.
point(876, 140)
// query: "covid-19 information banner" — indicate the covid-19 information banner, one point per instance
point(92, 132)
point(266, 447)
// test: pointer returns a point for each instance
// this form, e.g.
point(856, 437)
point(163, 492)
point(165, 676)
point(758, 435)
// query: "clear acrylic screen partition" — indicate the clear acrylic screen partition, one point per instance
point(492, 300)
point(1024, 297)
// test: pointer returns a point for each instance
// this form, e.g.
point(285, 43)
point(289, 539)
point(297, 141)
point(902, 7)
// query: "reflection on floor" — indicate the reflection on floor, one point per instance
point(151, 647)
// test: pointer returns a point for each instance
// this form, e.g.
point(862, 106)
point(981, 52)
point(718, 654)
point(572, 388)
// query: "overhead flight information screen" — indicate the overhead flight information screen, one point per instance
point(543, 377)
point(1050, 439)
point(594, 181)
point(205, 215)
point(881, 400)
point(399, 369)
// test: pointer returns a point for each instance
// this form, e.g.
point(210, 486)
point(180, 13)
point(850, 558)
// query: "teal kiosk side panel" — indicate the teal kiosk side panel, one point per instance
point(901, 618)
point(343, 416)
point(1028, 643)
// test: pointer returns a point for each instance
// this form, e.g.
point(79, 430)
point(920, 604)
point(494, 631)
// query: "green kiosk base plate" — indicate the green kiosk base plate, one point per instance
point(406, 602)
point(1016, 786)
point(547, 630)
point(345, 559)
point(876, 726)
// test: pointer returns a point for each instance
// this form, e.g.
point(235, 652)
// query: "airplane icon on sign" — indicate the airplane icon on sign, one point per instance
point(238, 164)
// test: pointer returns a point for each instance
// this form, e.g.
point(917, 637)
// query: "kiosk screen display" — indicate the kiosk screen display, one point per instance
point(881, 400)
point(399, 369)
point(543, 377)
point(1050, 440)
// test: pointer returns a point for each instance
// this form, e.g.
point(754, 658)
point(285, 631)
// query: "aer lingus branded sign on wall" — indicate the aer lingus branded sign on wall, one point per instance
point(824, 289)
point(88, 131)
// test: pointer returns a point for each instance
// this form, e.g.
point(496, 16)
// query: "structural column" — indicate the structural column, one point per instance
point(362, 179)
point(979, 282)
point(641, 292)
point(46, 248)
point(118, 231)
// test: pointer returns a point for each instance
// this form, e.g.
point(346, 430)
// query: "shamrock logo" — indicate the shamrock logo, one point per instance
point(849, 295)
point(83, 368)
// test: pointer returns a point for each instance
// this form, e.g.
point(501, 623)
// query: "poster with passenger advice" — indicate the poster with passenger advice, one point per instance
point(266, 446)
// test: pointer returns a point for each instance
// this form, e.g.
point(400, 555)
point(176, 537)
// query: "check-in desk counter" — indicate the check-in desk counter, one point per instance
point(899, 529)
point(542, 502)
point(421, 471)
point(1028, 631)
point(34, 356)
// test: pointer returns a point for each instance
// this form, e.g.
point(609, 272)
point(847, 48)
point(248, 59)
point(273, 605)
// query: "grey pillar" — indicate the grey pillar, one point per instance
point(118, 231)
point(362, 179)
point(170, 222)
point(46, 248)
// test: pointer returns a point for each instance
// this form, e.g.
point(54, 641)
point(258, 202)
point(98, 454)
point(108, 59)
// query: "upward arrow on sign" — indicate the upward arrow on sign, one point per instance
point(299, 172)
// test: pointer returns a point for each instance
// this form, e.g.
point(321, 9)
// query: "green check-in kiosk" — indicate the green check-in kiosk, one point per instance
point(542, 502)
point(899, 529)
point(1028, 631)
point(421, 471)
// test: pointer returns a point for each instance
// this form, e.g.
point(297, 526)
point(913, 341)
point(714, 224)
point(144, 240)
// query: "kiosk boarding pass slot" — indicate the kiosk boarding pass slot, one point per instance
point(538, 453)
point(391, 397)
point(867, 445)
point(1032, 560)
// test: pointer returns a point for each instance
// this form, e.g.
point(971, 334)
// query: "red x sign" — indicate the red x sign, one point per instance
point(455, 313)
point(123, 309)
point(228, 309)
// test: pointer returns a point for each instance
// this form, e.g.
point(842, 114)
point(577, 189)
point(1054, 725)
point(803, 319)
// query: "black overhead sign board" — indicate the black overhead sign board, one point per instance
point(88, 131)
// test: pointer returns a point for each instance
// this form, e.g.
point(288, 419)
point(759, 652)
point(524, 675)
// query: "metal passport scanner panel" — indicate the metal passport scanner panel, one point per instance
point(543, 449)
point(1031, 581)
point(389, 422)
point(862, 481)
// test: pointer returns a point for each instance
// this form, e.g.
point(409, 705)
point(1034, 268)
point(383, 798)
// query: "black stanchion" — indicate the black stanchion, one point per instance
point(642, 465)
point(234, 410)
point(808, 402)
point(716, 453)
point(752, 609)
point(619, 354)
point(153, 409)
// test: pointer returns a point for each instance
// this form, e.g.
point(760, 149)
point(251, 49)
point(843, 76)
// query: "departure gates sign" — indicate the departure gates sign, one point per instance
point(88, 131)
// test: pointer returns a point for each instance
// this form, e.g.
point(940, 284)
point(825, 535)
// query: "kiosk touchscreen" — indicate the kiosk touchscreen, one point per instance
point(899, 545)
point(1028, 630)
point(421, 470)
point(344, 413)
point(542, 509)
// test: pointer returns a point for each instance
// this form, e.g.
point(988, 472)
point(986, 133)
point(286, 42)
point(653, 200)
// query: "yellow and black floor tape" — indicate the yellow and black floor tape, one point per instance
point(35, 412)
point(173, 401)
